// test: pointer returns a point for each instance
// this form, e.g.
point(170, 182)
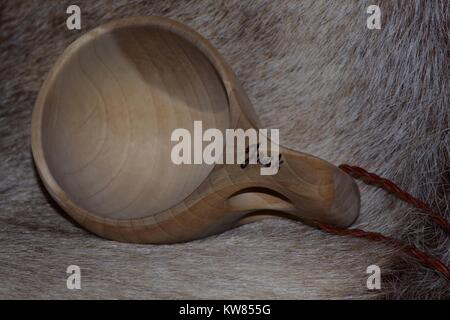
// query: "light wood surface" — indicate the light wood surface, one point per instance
point(101, 133)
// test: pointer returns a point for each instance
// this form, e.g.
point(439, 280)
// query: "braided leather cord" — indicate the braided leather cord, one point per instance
point(389, 186)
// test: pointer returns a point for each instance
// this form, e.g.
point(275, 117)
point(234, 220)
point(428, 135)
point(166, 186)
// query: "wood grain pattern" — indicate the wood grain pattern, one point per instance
point(101, 141)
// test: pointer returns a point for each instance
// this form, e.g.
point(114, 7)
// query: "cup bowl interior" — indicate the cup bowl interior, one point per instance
point(108, 113)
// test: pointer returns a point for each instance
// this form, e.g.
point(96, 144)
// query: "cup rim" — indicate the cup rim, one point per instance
point(225, 73)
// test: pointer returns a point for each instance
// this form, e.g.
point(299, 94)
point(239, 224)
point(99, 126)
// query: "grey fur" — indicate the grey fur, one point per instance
point(378, 99)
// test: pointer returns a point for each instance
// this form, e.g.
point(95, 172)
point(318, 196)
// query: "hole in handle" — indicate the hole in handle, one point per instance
point(259, 198)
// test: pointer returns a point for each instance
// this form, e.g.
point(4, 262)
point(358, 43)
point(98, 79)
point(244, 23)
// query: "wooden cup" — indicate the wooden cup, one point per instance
point(101, 133)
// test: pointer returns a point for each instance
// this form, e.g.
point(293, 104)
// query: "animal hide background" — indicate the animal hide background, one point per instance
point(374, 98)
